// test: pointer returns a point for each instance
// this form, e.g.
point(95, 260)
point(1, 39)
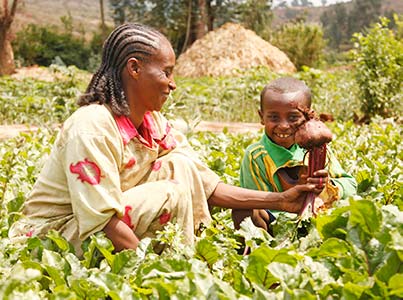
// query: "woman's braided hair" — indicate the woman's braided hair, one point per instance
point(126, 41)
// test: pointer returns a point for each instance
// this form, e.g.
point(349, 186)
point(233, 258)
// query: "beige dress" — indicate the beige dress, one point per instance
point(101, 165)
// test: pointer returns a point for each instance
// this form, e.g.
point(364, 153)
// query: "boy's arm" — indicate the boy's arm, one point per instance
point(339, 177)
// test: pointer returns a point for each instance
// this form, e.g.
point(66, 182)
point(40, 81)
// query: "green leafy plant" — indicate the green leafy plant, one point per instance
point(378, 57)
point(41, 45)
point(303, 43)
point(353, 251)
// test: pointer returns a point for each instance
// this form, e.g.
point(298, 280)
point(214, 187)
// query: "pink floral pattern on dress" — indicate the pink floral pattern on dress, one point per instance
point(87, 171)
point(156, 165)
point(168, 141)
point(148, 133)
point(165, 217)
point(126, 217)
point(126, 128)
point(131, 163)
point(30, 233)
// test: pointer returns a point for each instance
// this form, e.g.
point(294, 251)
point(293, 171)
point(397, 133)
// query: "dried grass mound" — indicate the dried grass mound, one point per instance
point(228, 49)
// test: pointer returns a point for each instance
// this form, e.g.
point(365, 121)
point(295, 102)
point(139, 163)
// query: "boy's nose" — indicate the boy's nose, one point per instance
point(284, 124)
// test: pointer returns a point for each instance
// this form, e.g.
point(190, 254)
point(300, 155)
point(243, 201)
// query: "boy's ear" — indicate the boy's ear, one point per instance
point(261, 116)
point(133, 67)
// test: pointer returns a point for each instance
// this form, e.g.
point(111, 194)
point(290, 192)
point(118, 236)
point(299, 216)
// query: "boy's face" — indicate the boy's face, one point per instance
point(280, 116)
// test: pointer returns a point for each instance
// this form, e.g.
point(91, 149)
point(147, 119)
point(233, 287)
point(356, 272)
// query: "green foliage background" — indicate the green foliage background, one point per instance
point(353, 251)
point(379, 60)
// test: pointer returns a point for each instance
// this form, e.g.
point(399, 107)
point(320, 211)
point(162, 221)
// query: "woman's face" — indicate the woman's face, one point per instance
point(155, 79)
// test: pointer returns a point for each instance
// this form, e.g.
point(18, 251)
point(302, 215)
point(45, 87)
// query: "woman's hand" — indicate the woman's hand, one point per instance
point(292, 200)
point(121, 235)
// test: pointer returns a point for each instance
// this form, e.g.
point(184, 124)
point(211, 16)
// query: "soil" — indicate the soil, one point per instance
point(10, 131)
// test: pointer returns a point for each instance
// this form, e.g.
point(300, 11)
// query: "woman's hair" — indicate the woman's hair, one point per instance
point(126, 41)
point(287, 85)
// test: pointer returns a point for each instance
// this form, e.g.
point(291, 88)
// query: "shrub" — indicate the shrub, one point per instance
point(303, 43)
point(378, 56)
point(41, 45)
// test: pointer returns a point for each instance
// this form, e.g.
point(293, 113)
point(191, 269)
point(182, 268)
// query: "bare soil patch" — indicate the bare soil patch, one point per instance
point(10, 131)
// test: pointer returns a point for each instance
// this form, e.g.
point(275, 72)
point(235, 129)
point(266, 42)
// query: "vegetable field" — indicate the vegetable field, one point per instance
point(352, 251)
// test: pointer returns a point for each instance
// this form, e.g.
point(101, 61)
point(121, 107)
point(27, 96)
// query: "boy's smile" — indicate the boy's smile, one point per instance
point(280, 116)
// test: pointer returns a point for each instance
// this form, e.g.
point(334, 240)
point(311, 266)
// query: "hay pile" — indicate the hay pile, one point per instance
point(228, 49)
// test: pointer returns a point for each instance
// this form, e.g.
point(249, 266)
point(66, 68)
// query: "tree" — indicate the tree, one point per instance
point(340, 22)
point(257, 16)
point(7, 65)
point(335, 24)
point(364, 13)
point(303, 43)
point(378, 60)
point(184, 21)
point(103, 25)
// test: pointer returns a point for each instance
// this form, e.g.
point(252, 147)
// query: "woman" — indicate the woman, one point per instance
point(118, 166)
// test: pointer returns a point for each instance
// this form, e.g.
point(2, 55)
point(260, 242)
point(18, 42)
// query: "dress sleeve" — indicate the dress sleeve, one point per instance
point(251, 175)
point(339, 177)
point(91, 165)
point(209, 178)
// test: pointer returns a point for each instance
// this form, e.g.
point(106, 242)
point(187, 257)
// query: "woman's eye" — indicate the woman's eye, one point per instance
point(272, 118)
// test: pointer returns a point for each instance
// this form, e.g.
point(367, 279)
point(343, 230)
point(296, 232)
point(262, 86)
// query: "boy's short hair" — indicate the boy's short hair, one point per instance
point(287, 85)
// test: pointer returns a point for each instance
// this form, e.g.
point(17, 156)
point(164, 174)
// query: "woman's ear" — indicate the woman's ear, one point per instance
point(133, 67)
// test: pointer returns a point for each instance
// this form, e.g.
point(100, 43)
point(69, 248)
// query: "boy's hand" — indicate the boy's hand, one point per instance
point(321, 177)
point(261, 218)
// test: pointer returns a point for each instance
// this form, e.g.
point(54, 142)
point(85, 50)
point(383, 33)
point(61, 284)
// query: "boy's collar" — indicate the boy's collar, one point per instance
point(281, 155)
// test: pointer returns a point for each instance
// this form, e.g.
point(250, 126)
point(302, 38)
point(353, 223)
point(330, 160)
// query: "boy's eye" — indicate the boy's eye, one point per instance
point(272, 117)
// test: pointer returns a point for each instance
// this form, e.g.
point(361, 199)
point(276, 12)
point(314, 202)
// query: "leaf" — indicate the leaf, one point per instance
point(251, 232)
point(55, 266)
point(353, 291)
point(60, 241)
point(392, 265)
point(395, 285)
point(365, 216)
point(257, 269)
point(333, 225)
point(334, 247)
point(124, 262)
point(207, 251)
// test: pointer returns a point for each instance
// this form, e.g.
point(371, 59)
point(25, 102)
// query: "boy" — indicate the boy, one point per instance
point(276, 163)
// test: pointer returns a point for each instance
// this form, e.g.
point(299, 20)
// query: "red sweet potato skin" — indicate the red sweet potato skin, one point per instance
point(313, 133)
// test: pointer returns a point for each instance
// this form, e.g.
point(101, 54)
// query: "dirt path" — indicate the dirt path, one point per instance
point(9, 131)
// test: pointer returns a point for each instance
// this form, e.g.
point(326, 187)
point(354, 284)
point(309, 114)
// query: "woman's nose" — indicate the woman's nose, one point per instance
point(172, 84)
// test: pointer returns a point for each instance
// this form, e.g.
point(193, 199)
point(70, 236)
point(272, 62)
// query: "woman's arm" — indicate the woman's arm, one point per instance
point(291, 200)
point(121, 235)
